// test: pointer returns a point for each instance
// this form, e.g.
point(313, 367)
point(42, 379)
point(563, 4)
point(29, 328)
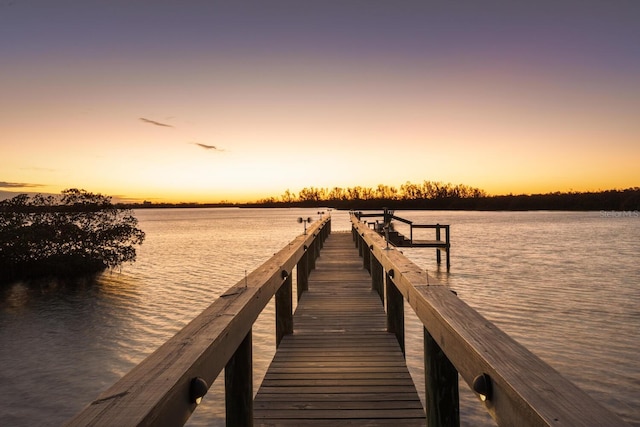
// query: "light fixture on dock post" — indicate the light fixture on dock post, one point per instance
point(482, 386)
point(197, 389)
point(320, 213)
point(305, 221)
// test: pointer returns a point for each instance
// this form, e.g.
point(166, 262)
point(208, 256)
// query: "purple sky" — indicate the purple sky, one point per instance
point(496, 81)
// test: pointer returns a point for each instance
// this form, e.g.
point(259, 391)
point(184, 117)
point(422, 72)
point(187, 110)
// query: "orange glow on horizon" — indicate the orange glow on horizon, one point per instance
point(178, 195)
point(241, 113)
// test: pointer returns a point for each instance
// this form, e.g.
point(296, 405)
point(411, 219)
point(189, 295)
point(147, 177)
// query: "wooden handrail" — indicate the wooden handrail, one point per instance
point(437, 243)
point(160, 390)
point(524, 390)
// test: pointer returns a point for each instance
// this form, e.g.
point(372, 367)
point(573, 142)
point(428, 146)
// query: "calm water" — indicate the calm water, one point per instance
point(566, 285)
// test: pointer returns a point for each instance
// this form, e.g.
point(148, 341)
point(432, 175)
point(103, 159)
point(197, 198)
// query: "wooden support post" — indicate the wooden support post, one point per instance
point(447, 236)
point(238, 380)
point(366, 257)
point(311, 255)
point(395, 311)
point(377, 277)
point(317, 244)
point(302, 275)
point(361, 245)
point(284, 310)
point(438, 239)
point(441, 382)
point(326, 230)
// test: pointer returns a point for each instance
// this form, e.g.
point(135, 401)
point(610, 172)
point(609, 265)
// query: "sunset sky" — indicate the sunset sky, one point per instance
point(234, 100)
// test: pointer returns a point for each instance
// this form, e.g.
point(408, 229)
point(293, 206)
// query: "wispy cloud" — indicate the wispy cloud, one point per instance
point(203, 146)
point(5, 184)
point(207, 147)
point(153, 122)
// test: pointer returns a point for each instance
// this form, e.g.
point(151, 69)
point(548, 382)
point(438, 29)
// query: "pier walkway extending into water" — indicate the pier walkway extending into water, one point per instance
point(339, 358)
point(340, 366)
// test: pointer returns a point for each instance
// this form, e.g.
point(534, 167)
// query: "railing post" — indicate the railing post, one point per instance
point(438, 239)
point(238, 380)
point(377, 277)
point(284, 309)
point(441, 382)
point(311, 255)
point(366, 256)
point(302, 274)
point(317, 245)
point(325, 231)
point(447, 236)
point(395, 310)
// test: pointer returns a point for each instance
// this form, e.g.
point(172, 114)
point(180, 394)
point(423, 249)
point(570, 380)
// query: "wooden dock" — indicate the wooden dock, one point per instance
point(340, 366)
point(336, 364)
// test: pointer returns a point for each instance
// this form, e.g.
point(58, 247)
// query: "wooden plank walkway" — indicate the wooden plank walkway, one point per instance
point(340, 366)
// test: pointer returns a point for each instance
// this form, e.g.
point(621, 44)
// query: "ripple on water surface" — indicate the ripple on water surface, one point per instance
point(553, 281)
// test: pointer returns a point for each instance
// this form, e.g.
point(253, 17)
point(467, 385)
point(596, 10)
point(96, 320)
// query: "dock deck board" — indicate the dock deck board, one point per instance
point(340, 366)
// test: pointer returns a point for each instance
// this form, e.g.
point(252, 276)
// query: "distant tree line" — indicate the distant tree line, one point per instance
point(427, 190)
point(73, 234)
point(617, 200)
point(431, 195)
point(441, 196)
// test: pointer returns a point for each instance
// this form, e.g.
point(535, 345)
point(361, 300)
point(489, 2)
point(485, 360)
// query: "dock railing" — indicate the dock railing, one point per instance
point(166, 387)
point(438, 243)
point(516, 387)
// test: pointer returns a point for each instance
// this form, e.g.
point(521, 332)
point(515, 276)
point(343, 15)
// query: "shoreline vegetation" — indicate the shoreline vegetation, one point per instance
point(78, 233)
point(74, 234)
point(429, 196)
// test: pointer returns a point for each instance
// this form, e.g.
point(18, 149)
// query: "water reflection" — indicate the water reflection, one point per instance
point(19, 295)
point(49, 333)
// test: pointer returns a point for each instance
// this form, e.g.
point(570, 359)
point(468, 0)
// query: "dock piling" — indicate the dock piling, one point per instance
point(284, 309)
point(302, 275)
point(441, 386)
point(377, 278)
point(238, 380)
point(395, 311)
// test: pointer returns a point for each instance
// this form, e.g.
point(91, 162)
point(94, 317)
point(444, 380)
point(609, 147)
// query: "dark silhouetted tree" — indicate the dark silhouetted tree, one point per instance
point(75, 233)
